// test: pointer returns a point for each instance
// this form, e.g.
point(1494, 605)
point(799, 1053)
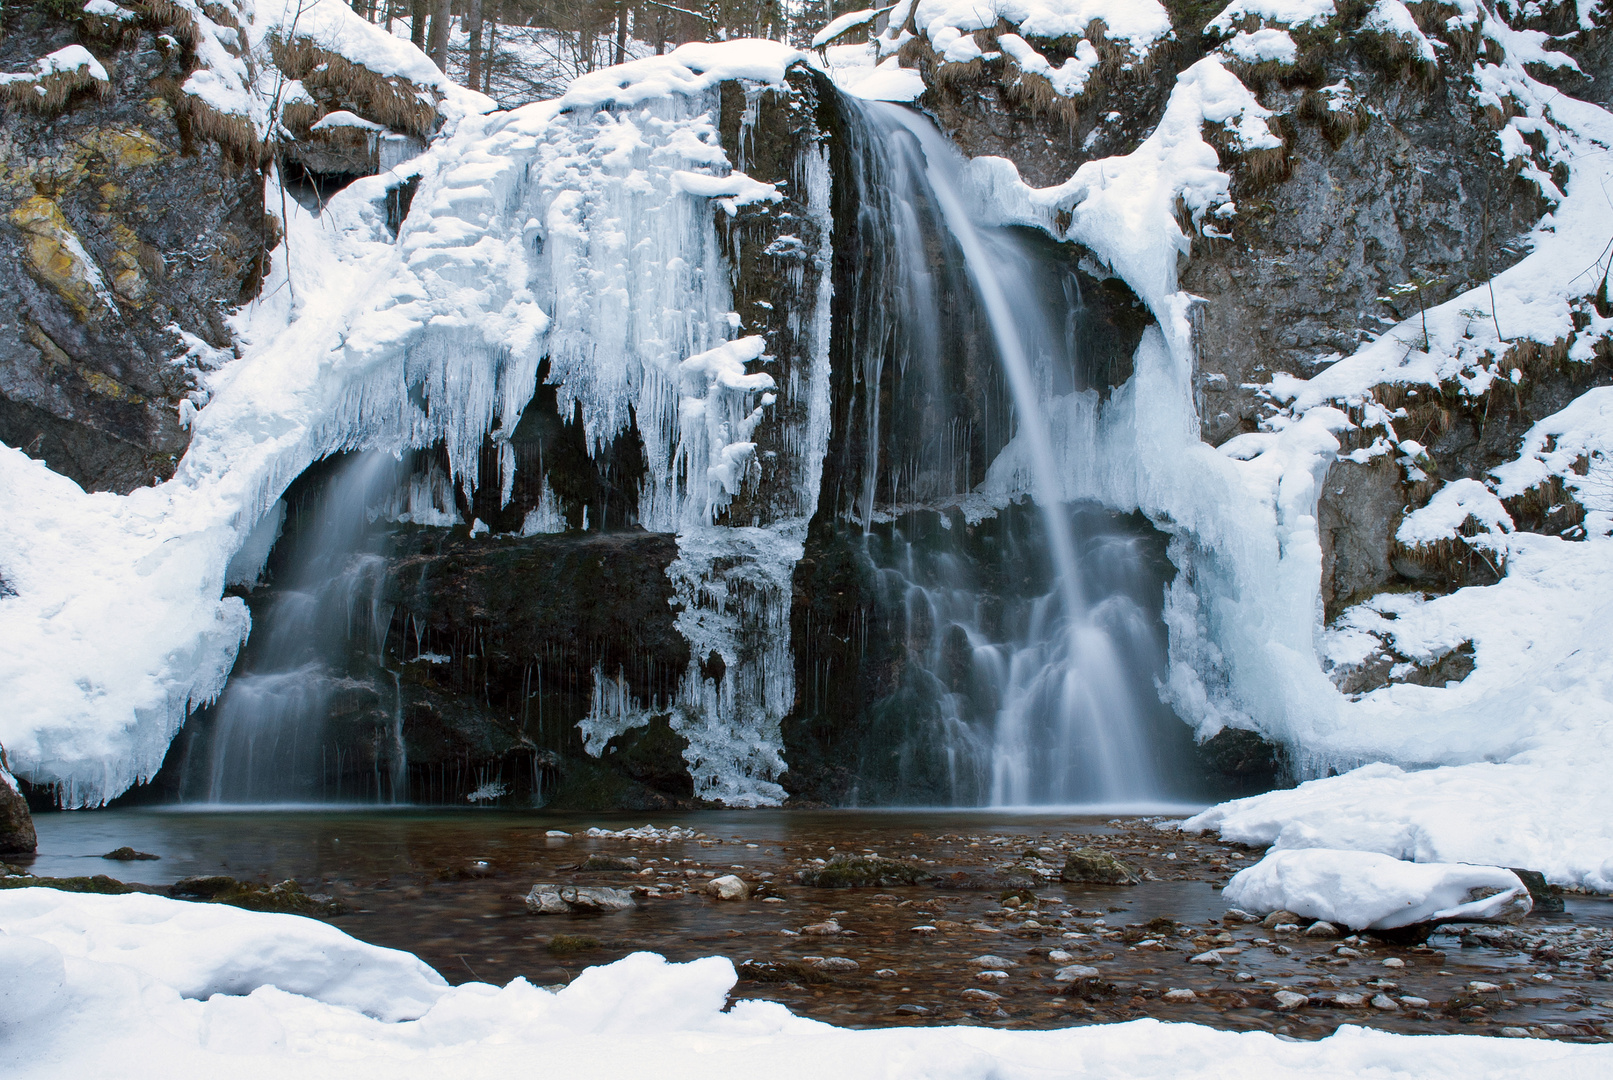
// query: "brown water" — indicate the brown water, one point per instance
point(448, 887)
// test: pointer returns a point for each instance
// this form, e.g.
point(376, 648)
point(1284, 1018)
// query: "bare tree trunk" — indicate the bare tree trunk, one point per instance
point(441, 19)
point(418, 10)
point(621, 32)
point(492, 39)
point(473, 28)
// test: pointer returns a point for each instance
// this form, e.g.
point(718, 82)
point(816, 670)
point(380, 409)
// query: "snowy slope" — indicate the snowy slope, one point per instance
point(74, 1004)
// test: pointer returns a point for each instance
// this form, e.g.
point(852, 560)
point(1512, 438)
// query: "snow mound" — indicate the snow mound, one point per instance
point(1368, 891)
point(95, 1011)
point(205, 949)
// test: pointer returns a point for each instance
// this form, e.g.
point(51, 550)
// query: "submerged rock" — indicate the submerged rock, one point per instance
point(129, 854)
point(610, 863)
point(1090, 865)
point(286, 896)
point(861, 872)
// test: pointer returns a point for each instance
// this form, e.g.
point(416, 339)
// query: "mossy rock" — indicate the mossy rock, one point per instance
point(563, 944)
point(129, 854)
point(863, 872)
point(1093, 867)
point(99, 883)
point(286, 897)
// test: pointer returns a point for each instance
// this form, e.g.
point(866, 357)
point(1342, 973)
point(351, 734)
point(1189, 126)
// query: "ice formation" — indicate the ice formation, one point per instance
point(221, 995)
point(578, 231)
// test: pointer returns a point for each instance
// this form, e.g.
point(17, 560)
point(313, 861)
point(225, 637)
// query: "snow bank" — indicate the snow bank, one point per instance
point(204, 949)
point(1365, 890)
point(89, 1011)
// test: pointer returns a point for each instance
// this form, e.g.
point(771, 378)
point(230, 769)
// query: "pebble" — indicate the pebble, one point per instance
point(1276, 917)
point(1394, 962)
point(1075, 973)
point(1386, 1003)
point(1287, 1000)
point(1541, 977)
point(1411, 1001)
point(1282, 950)
point(1483, 987)
point(1179, 997)
point(829, 926)
point(1349, 1001)
point(1239, 915)
point(976, 994)
point(991, 976)
point(1059, 956)
point(1515, 1032)
point(1212, 957)
point(1348, 953)
point(1286, 928)
point(886, 973)
point(925, 929)
point(1244, 976)
point(1321, 929)
point(772, 899)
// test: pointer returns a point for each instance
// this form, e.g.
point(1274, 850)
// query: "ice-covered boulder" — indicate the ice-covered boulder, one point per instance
point(1365, 890)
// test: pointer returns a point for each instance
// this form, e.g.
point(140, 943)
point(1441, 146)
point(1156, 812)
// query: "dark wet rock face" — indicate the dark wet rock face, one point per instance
point(17, 835)
point(94, 360)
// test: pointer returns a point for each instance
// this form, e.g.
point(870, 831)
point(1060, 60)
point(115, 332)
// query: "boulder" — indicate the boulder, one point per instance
point(611, 863)
point(836, 965)
point(129, 854)
point(1092, 866)
point(572, 899)
point(728, 887)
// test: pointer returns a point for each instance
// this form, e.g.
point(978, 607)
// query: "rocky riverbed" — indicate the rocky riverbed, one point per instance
point(965, 918)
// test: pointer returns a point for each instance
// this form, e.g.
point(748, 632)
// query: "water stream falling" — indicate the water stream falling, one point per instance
point(271, 729)
point(1055, 708)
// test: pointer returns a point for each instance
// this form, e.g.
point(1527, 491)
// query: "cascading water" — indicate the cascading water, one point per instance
point(270, 728)
point(1057, 703)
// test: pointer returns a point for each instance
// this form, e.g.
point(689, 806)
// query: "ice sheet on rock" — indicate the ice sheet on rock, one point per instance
point(1367, 890)
point(1452, 507)
point(643, 1014)
point(1283, 12)
point(204, 949)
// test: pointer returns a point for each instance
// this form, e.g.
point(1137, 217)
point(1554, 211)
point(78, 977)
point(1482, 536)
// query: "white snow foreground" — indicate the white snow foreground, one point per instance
point(580, 230)
point(77, 1001)
point(1364, 890)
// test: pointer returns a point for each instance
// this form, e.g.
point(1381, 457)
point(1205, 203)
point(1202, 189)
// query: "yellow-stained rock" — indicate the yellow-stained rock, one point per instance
point(58, 259)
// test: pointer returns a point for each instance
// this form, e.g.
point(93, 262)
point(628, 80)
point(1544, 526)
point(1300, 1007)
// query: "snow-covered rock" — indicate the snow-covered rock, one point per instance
point(1365, 890)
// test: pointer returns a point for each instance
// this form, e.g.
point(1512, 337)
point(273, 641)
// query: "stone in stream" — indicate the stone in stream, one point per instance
point(826, 928)
point(862, 871)
point(129, 854)
point(1092, 866)
point(991, 961)
point(1279, 918)
point(1179, 997)
point(976, 994)
point(1349, 1001)
point(1075, 973)
point(728, 887)
point(1321, 929)
point(991, 976)
point(567, 899)
point(1287, 1000)
point(1385, 1003)
point(836, 965)
point(1238, 915)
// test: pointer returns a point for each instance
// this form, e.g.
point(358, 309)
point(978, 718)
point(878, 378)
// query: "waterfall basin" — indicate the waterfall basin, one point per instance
point(448, 886)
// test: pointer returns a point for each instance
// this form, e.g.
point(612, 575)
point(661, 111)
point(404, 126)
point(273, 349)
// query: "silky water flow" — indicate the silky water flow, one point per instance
point(1059, 706)
point(271, 727)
